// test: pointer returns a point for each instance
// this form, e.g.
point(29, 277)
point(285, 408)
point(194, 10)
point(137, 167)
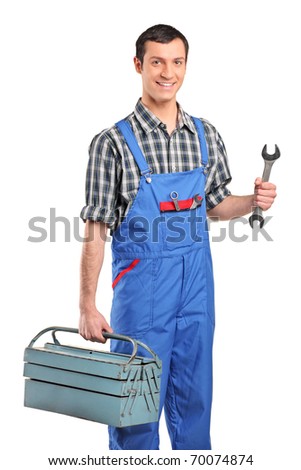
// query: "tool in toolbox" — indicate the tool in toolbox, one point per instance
point(268, 163)
point(110, 388)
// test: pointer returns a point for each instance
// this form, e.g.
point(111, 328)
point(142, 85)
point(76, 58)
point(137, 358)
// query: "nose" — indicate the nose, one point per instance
point(166, 71)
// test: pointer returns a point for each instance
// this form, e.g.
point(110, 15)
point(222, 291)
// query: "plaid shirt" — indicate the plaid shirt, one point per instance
point(112, 179)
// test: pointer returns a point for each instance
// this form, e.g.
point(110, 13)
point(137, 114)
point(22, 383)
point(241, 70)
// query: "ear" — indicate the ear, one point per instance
point(138, 65)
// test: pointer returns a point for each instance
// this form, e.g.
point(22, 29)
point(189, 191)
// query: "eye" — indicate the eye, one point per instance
point(156, 62)
point(178, 62)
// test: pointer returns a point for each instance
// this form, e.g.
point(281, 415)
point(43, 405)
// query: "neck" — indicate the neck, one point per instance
point(167, 112)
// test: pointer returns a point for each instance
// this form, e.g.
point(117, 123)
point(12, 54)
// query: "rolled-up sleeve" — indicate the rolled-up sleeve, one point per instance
point(219, 175)
point(101, 181)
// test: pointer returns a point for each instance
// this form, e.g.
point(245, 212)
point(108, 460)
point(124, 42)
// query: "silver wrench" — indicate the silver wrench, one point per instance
point(268, 163)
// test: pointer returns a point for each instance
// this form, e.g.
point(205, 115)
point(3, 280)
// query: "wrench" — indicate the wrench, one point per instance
point(268, 163)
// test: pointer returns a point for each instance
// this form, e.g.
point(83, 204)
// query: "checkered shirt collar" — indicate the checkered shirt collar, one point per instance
point(149, 121)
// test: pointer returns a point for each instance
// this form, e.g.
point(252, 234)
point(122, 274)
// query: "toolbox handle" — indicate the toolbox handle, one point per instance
point(137, 343)
point(151, 351)
point(107, 335)
point(54, 329)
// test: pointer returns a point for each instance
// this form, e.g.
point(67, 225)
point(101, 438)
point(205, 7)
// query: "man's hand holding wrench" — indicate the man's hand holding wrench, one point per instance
point(265, 191)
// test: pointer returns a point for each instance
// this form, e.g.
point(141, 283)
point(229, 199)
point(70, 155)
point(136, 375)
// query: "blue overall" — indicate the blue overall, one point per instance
point(164, 296)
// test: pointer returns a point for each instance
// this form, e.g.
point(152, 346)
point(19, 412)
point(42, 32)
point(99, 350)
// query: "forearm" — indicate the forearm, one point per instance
point(237, 206)
point(232, 207)
point(92, 323)
point(91, 263)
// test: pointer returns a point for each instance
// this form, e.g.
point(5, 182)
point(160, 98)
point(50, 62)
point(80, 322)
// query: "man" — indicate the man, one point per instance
point(148, 179)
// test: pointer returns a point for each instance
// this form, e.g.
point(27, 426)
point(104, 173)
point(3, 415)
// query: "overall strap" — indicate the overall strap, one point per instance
point(126, 130)
point(201, 133)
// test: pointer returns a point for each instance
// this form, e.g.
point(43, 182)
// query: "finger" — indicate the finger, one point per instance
point(101, 339)
point(106, 331)
point(106, 327)
point(258, 181)
point(92, 335)
point(265, 193)
point(264, 202)
point(268, 185)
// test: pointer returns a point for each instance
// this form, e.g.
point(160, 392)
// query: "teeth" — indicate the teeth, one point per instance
point(166, 84)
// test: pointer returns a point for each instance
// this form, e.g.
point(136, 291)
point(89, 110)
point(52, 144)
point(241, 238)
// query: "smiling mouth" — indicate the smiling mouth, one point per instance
point(166, 84)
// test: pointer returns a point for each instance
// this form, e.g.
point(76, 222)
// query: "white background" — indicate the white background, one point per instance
point(67, 73)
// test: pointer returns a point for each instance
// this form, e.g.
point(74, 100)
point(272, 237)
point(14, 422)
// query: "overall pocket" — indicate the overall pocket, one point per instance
point(184, 219)
point(124, 271)
point(132, 307)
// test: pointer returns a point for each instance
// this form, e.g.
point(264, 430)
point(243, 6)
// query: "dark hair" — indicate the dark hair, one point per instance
point(159, 33)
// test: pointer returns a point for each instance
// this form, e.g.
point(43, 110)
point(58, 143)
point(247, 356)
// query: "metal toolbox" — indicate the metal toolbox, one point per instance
point(110, 388)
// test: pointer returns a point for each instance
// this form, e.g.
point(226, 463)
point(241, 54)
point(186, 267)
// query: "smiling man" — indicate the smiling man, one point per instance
point(162, 67)
point(153, 178)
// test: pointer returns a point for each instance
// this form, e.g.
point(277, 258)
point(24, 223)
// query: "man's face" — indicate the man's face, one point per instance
point(162, 71)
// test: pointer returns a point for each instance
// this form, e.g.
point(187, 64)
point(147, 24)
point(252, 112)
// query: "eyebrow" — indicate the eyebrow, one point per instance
point(162, 58)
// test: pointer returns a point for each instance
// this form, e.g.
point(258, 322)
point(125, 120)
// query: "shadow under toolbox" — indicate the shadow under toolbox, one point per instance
point(110, 388)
